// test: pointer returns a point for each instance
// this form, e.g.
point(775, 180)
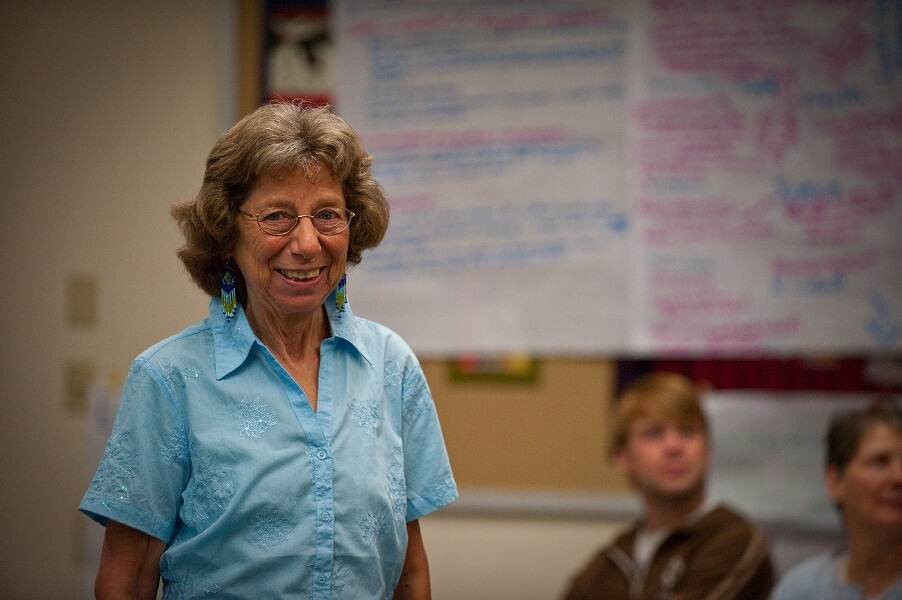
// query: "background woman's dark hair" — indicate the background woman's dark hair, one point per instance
point(847, 429)
point(276, 139)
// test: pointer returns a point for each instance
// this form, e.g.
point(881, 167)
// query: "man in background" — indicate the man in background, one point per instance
point(683, 547)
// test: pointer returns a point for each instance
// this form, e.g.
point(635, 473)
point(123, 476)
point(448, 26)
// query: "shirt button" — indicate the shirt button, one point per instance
point(326, 516)
point(321, 454)
point(321, 579)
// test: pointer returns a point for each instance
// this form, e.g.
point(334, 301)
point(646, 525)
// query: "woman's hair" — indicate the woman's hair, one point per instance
point(667, 396)
point(276, 139)
point(848, 428)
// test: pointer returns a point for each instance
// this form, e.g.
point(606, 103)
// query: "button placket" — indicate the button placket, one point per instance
point(324, 510)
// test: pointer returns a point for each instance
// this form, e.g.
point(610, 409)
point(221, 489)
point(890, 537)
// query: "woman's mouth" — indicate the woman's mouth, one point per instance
point(300, 275)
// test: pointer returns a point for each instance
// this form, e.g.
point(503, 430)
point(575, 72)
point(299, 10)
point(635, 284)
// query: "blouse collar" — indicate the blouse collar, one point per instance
point(234, 338)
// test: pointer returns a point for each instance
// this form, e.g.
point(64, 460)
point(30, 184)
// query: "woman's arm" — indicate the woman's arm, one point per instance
point(129, 564)
point(414, 582)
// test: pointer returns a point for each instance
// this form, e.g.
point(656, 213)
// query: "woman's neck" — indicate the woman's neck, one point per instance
point(290, 338)
point(875, 559)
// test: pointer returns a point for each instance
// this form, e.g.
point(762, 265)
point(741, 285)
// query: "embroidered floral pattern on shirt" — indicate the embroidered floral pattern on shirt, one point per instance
point(416, 401)
point(392, 375)
point(114, 477)
point(255, 417)
point(191, 587)
point(175, 446)
point(178, 377)
point(397, 488)
point(445, 492)
point(340, 573)
point(211, 490)
point(137, 381)
point(367, 415)
point(372, 526)
point(270, 530)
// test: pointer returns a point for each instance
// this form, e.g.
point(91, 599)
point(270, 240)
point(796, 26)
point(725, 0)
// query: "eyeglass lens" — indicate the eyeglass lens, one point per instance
point(328, 221)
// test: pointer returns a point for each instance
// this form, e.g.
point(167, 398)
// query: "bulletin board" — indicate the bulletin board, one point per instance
point(545, 436)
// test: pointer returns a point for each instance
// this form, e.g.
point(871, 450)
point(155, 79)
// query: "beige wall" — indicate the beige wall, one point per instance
point(107, 113)
point(505, 559)
point(108, 110)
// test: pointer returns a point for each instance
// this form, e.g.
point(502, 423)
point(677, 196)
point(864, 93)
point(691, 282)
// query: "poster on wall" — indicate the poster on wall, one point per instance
point(768, 192)
point(591, 176)
point(497, 132)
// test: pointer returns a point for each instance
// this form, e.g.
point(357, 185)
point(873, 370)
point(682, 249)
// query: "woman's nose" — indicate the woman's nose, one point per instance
point(304, 238)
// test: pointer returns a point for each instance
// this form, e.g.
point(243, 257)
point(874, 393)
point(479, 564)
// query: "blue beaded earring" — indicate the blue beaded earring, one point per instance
point(227, 295)
point(341, 294)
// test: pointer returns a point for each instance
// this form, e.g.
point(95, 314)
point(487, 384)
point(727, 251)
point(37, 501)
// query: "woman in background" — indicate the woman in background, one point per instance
point(283, 447)
point(864, 479)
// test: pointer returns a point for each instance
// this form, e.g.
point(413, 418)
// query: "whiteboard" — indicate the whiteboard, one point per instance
point(578, 176)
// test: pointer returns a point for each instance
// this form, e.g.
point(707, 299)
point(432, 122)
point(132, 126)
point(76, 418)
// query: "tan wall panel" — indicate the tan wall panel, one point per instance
point(546, 436)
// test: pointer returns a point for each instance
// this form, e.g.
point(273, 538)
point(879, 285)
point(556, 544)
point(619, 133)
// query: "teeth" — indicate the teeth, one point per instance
point(300, 275)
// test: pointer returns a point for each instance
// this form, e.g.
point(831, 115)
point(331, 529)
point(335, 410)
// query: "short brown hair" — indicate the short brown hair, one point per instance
point(667, 396)
point(848, 428)
point(276, 139)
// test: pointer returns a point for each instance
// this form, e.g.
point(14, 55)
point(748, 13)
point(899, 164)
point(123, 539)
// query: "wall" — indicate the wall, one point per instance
point(506, 559)
point(108, 112)
point(545, 436)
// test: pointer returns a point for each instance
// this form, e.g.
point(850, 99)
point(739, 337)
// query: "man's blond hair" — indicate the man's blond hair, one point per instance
point(669, 397)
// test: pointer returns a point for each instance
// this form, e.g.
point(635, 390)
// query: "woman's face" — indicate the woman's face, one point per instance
point(870, 489)
point(291, 275)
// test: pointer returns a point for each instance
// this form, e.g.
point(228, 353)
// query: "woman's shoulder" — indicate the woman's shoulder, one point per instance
point(183, 345)
point(808, 579)
point(377, 336)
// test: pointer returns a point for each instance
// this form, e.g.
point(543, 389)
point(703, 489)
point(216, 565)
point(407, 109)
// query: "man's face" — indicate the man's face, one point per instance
point(665, 460)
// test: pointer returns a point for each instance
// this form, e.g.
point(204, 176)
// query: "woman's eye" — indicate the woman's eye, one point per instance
point(275, 216)
point(327, 214)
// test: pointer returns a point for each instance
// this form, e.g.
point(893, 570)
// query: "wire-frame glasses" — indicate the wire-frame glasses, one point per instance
point(278, 221)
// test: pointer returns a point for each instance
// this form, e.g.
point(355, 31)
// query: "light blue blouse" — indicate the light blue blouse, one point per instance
point(217, 452)
point(817, 579)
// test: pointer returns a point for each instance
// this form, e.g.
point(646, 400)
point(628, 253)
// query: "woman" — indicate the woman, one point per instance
point(283, 447)
point(864, 479)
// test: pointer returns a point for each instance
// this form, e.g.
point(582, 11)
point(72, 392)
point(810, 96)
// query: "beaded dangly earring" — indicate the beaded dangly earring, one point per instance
point(227, 295)
point(341, 293)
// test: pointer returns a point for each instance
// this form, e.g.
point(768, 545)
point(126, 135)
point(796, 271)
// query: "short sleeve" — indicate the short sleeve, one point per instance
point(427, 470)
point(145, 463)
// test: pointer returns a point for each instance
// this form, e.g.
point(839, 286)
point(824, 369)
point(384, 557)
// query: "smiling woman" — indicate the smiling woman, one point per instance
point(283, 446)
point(864, 480)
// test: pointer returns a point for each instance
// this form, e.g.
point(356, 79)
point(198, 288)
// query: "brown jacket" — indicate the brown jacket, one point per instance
point(720, 556)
